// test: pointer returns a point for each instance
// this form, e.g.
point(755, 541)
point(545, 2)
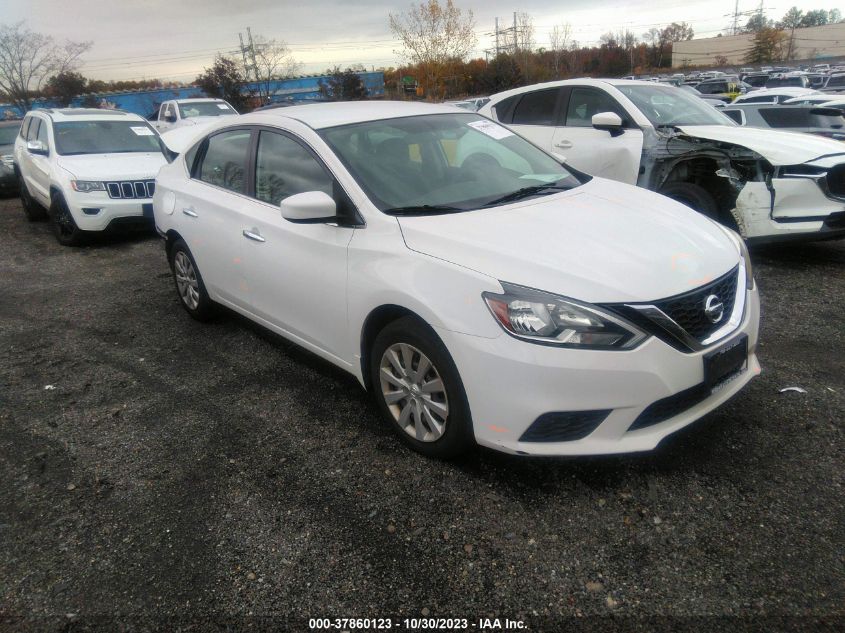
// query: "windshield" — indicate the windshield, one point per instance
point(663, 105)
point(442, 163)
point(105, 137)
point(205, 108)
point(8, 134)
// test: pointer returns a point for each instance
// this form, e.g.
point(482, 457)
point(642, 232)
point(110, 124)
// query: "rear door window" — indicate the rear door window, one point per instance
point(785, 117)
point(224, 161)
point(537, 108)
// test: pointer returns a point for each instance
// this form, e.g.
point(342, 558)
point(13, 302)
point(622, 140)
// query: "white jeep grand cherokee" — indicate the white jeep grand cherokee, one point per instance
point(91, 169)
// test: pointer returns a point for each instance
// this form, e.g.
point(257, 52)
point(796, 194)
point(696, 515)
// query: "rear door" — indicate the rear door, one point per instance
point(211, 211)
point(534, 116)
point(615, 155)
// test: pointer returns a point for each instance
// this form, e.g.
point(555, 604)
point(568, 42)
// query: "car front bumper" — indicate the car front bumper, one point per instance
point(97, 212)
point(511, 383)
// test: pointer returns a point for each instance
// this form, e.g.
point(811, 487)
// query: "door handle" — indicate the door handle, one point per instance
point(564, 144)
point(189, 211)
point(252, 235)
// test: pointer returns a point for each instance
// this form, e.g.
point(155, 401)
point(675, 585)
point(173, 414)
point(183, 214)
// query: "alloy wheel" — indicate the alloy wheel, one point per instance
point(186, 280)
point(414, 392)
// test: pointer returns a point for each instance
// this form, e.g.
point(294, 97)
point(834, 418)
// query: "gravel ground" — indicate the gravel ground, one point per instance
point(160, 473)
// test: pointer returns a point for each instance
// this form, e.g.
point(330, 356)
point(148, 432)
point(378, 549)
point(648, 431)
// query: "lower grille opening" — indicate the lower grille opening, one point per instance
point(564, 426)
point(667, 408)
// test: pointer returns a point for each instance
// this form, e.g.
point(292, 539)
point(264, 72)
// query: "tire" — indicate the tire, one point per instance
point(694, 197)
point(33, 211)
point(189, 284)
point(64, 226)
point(433, 420)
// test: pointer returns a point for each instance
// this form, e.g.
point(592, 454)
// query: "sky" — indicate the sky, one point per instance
point(176, 39)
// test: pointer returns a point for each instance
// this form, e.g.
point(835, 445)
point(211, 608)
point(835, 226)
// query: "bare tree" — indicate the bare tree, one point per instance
point(272, 60)
point(27, 59)
point(433, 35)
point(558, 43)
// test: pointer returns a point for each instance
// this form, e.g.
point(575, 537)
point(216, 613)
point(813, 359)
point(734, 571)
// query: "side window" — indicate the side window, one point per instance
point(284, 168)
point(224, 163)
point(503, 109)
point(42, 133)
point(736, 115)
point(25, 127)
point(162, 111)
point(584, 103)
point(191, 157)
point(536, 108)
point(32, 131)
point(169, 110)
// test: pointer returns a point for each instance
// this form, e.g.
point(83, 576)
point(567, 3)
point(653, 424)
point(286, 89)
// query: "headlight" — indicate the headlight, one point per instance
point(85, 186)
point(540, 317)
point(743, 250)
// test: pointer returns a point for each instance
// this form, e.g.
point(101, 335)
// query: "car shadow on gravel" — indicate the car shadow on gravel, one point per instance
point(799, 254)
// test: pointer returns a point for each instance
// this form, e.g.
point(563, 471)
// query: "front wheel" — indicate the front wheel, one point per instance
point(693, 196)
point(64, 226)
point(418, 389)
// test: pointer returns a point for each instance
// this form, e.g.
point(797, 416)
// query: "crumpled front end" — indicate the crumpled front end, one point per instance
point(762, 199)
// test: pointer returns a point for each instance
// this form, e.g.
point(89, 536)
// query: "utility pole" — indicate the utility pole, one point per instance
point(497, 37)
point(736, 18)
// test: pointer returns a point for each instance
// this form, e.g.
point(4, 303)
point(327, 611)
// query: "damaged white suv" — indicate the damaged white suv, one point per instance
point(766, 184)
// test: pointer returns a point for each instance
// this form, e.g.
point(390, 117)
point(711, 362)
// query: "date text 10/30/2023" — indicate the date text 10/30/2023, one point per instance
point(482, 625)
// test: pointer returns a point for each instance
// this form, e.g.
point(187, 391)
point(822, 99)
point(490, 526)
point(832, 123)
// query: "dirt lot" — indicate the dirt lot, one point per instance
point(157, 471)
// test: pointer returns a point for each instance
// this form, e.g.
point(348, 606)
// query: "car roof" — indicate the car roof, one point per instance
point(198, 99)
point(584, 81)
point(325, 115)
point(774, 92)
point(59, 115)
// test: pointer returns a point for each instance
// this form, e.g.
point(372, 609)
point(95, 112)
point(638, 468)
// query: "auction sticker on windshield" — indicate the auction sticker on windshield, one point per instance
point(491, 129)
point(142, 131)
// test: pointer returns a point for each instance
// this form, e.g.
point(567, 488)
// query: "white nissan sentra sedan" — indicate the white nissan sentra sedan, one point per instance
point(483, 292)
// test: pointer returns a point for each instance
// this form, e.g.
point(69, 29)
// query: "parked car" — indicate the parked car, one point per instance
point(835, 83)
point(815, 99)
point(8, 178)
point(665, 140)
point(92, 170)
point(774, 95)
point(482, 291)
point(789, 80)
point(756, 80)
point(827, 122)
point(716, 103)
point(180, 112)
point(724, 88)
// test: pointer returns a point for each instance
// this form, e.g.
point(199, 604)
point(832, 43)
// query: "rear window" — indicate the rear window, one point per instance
point(802, 118)
point(787, 82)
point(760, 99)
point(836, 81)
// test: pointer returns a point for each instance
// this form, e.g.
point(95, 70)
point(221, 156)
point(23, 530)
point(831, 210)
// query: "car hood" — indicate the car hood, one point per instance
point(130, 166)
point(777, 147)
point(603, 242)
point(180, 139)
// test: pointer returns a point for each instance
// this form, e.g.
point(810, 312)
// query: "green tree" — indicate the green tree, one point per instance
point(343, 85)
point(65, 86)
point(757, 23)
point(818, 17)
point(791, 21)
point(502, 73)
point(768, 46)
point(224, 80)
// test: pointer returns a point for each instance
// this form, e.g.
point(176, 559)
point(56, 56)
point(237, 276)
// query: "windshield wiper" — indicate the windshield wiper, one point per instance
point(549, 187)
point(423, 209)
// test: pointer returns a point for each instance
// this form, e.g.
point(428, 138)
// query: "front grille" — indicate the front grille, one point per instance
point(836, 180)
point(687, 310)
point(564, 426)
point(131, 189)
point(667, 408)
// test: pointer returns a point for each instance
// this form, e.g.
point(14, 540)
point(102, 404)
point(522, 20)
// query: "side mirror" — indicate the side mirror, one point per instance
point(37, 147)
point(609, 122)
point(310, 207)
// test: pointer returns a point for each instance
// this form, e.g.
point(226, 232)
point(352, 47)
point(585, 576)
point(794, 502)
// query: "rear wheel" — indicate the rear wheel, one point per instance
point(64, 226)
point(419, 391)
point(31, 209)
point(189, 284)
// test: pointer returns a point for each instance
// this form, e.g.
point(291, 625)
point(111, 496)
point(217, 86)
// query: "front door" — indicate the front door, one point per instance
point(296, 272)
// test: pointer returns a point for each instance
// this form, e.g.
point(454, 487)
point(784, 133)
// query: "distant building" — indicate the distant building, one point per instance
point(811, 43)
